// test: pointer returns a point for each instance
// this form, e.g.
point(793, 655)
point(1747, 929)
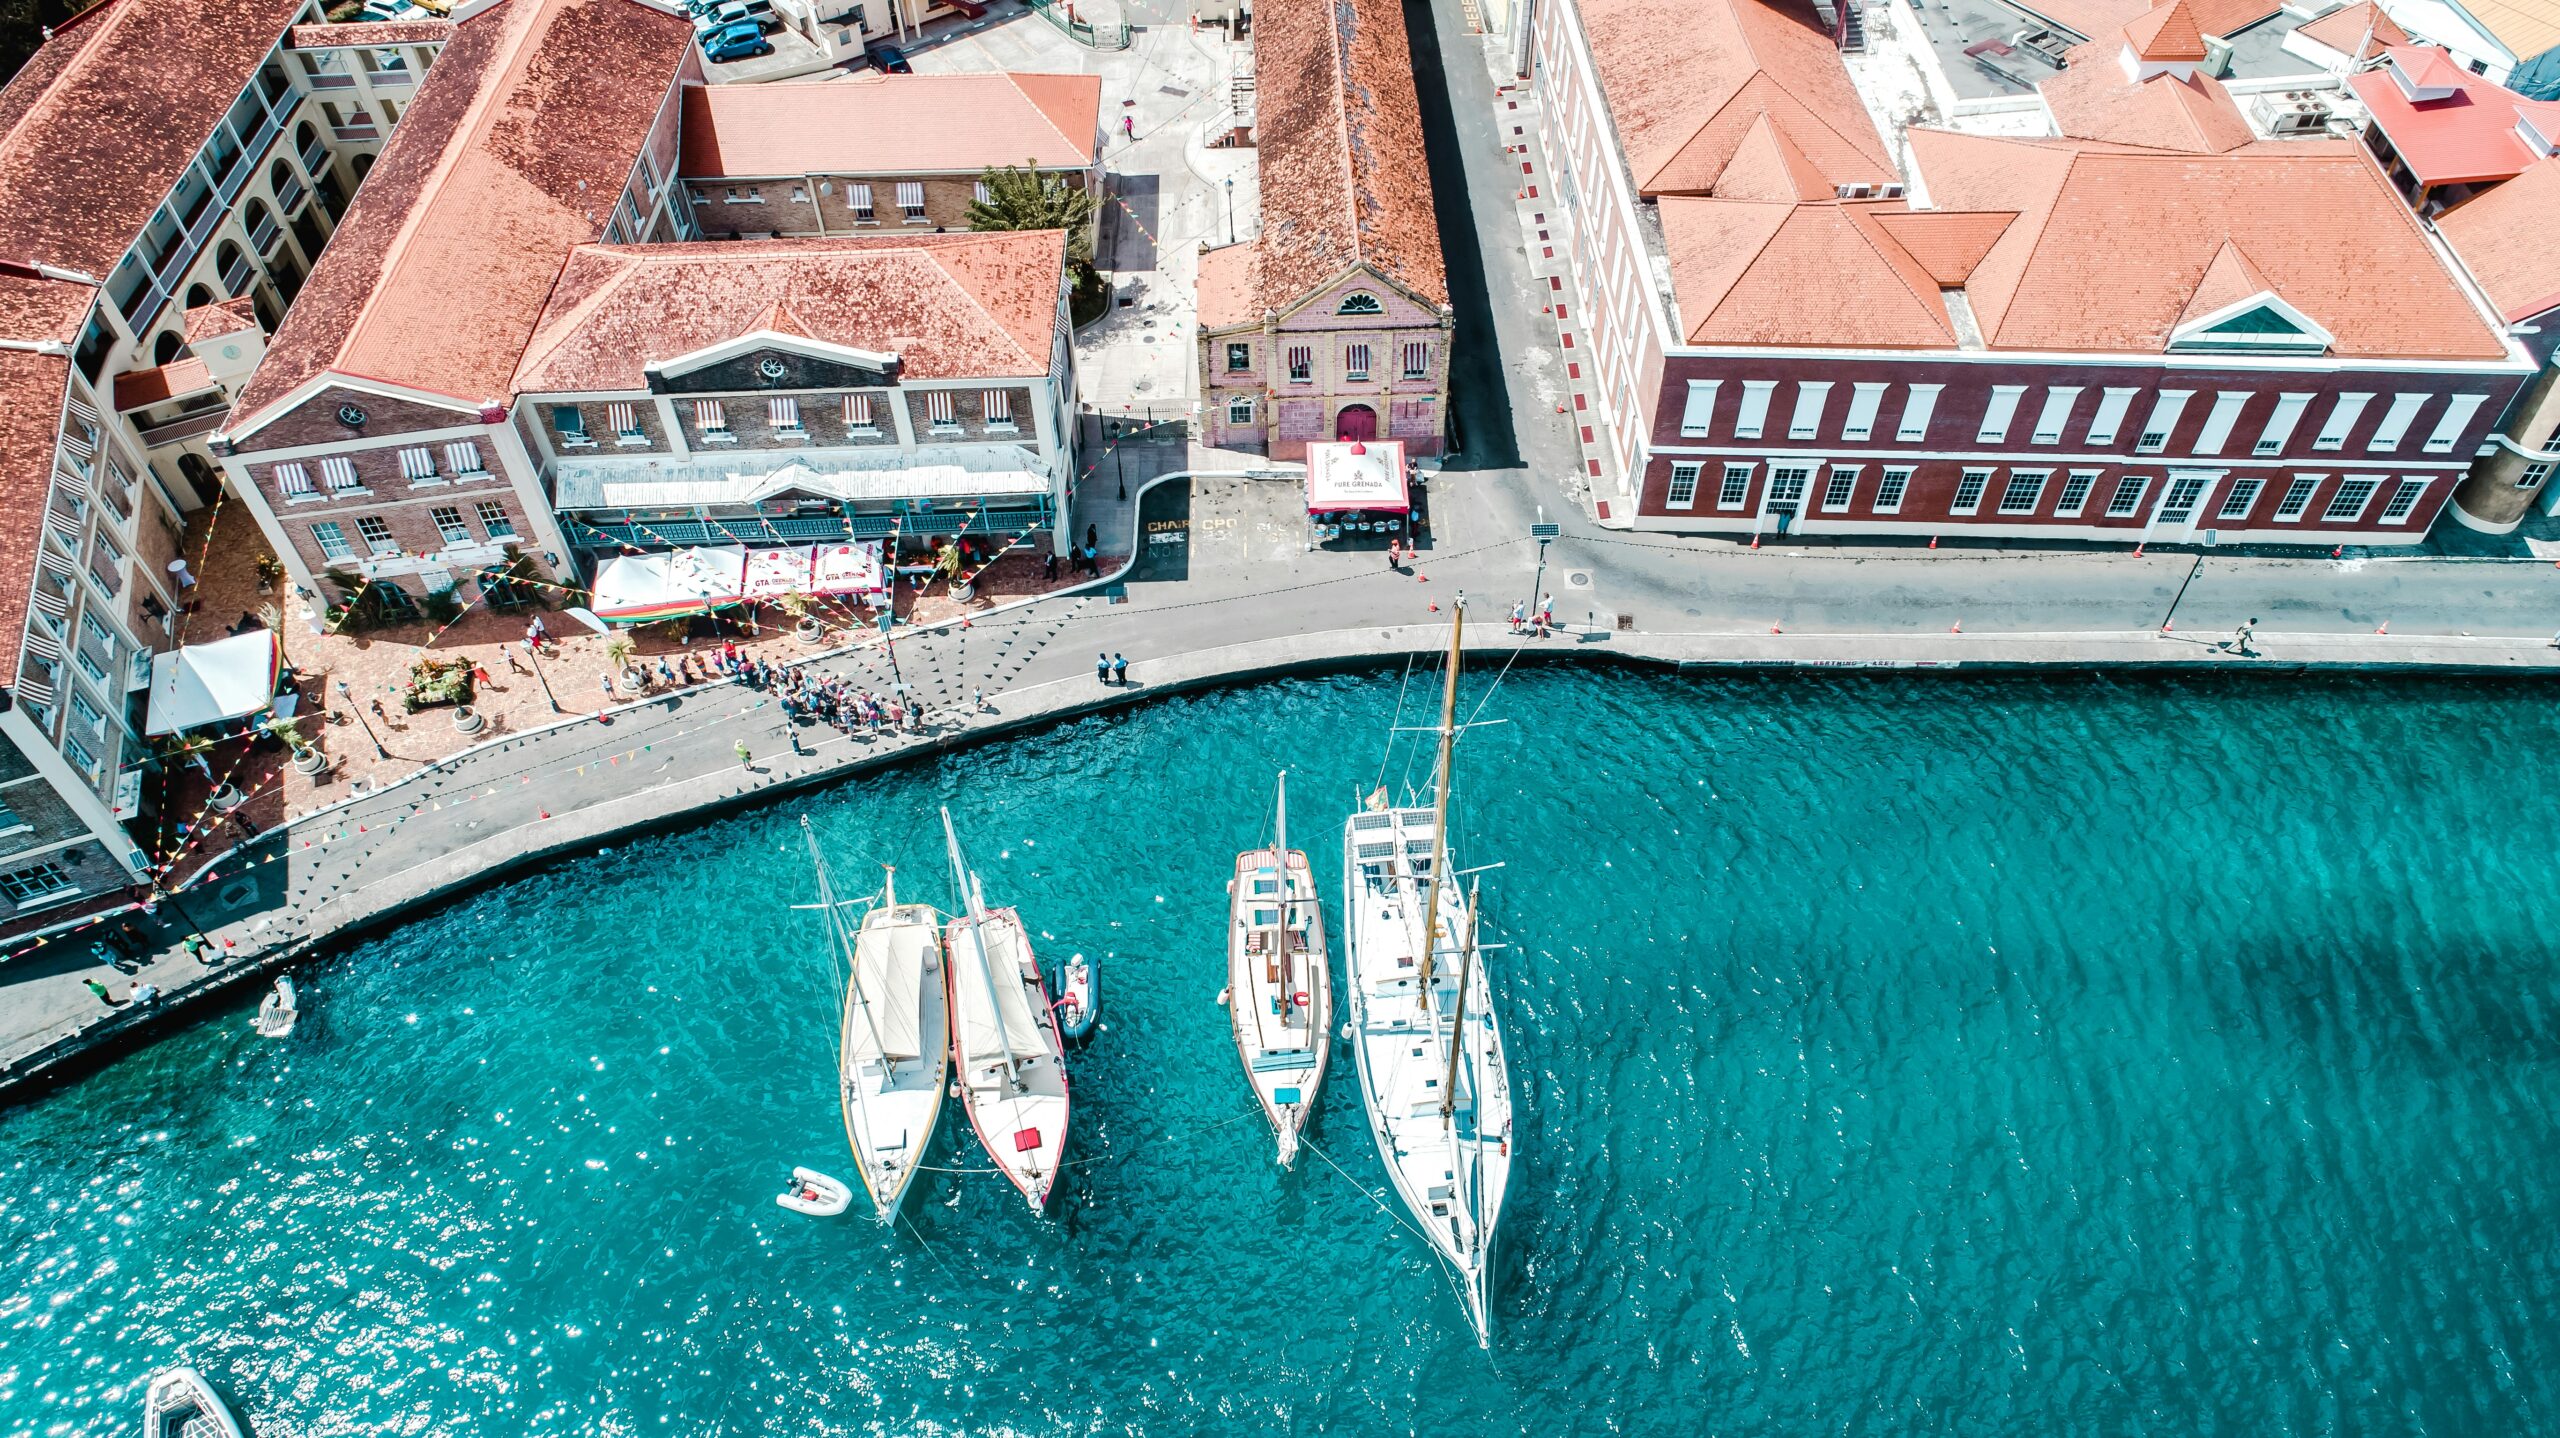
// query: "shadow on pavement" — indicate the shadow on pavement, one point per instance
point(1164, 534)
point(1131, 221)
point(1480, 432)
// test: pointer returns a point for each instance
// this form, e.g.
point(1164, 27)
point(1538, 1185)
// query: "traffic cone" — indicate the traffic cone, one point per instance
point(2385, 629)
point(1773, 627)
point(2168, 626)
point(1435, 606)
point(2137, 549)
point(546, 813)
point(2338, 553)
point(1956, 628)
point(1933, 541)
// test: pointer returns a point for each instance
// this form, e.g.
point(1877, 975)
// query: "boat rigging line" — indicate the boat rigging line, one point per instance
point(1390, 752)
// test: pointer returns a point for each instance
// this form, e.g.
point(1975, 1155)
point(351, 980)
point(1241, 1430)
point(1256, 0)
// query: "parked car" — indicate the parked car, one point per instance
point(740, 40)
point(891, 60)
point(730, 12)
point(380, 10)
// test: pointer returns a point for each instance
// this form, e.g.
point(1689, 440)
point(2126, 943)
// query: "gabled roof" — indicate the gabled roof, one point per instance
point(1340, 133)
point(222, 317)
point(1769, 166)
point(1754, 272)
point(515, 149)
point(2112, 244)
point(2093, 100)
point(2466, 137)
point(2228, 279)
point(1948, 244)
point(2504, 238)
point(2345, 30)
point(2096, 19)
point(33, 386)
point(1688, 81)
point(882, 124)
point(98, 126)
point(950, 306)
point(2167, 33)
point(140, 388)
point(1229, 287)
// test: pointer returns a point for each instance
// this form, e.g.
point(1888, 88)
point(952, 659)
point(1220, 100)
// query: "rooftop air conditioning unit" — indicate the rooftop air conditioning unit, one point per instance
point(2309, 117)
point(1893, 191)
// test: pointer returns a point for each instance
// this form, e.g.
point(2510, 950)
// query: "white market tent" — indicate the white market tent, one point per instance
point(199, 684)
point(638, 588)
point(1367, 475)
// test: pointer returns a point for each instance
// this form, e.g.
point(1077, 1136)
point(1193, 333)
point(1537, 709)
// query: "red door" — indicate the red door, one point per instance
point(1356, 422)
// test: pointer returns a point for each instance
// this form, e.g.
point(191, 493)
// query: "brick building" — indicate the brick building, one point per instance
point(166, 181)
point(2151, 326)
point(796, 391)
point(2504, 239)
point(378, 441)
point(877, 152)
point(1333, 323)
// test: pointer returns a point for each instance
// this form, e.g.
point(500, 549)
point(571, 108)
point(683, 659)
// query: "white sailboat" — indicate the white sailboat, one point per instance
point(1425, 1037)
point(1013, 1073)
point(1279, 988)
point(893, 1056)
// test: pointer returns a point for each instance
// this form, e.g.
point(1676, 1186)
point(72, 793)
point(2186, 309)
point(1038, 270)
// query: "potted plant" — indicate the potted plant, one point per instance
point(620, 653)
point(467, 720)
point(805, 626)
point(307, 758)
point(270, 572)
point(228, 797)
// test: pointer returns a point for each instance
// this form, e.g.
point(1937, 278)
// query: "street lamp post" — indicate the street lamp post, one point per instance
point(345, 694)
point(1119, 467)
point(533, 652)
point(1231, 210)
point(1542, 532)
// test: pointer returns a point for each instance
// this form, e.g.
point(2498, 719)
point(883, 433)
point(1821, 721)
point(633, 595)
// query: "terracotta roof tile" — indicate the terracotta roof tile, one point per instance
point(1945, 243)
point(880, 124)
point(222, 317)
point(369, 34)
point(2504, 239)
point(2094, 101)
point(953, 306)
point(2111, 243)
point(36, 310)
point(33, 385)
point(140, 387)
point(1230, 286)
point(2345, 30)
point(1687, 80)
point(2228, 279)
point(1769, 166)
point(2466, 138)
point(97, 127)
point(1340, 129)
point(1747, 272)
point(514, 150)
point(2166, 33)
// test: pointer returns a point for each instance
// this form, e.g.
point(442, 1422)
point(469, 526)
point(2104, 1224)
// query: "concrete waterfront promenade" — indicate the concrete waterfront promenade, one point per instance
point(671, 759)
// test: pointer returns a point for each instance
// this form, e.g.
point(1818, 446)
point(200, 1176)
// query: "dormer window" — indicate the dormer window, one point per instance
point(2260, 324)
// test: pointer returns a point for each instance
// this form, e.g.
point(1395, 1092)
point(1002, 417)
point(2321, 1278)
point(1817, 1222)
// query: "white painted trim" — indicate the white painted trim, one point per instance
point(754, 340)
point(2012, 455)
point(302, 394)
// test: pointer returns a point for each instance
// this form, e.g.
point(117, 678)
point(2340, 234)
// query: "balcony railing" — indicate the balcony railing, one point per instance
point(290, 198)
point(331, 82)
point(316, 159)
point(184, 427)
point(390, 79)
point(236, 275)
point(356, 134)
point(264, 235)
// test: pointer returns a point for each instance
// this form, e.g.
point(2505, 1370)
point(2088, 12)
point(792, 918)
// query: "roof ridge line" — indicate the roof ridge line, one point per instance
point(1856, 218)
point(1013, 79)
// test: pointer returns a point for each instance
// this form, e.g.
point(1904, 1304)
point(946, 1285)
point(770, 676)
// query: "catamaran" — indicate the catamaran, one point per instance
point(893, 1056)
point(1427, 1043)
point(1013, 1073)
point(1279, 988)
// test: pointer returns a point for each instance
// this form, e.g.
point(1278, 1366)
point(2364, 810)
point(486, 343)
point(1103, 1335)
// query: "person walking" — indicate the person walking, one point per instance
point(1393, 546)
point(1129, 128)
point(1092, 537)
point(746, 757)
point(607, 681)
point(2240, 638)
point(1119, 670)
point(1546, 614)
point(1519, 616)
point(1049, 567)
point(514, 665)
point(480, 676)
point(1102, 668)
point(101, 991)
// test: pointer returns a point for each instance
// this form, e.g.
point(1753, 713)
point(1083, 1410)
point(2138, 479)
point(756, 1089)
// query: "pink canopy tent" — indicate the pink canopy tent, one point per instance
point(1362, 474)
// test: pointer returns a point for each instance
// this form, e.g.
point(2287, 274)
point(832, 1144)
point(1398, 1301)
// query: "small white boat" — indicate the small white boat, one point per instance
point(1279, 987)
point(1079, 999)
point(815, 1194)
point(278, 1010)
point(1005, 1040)
point(180, 1404)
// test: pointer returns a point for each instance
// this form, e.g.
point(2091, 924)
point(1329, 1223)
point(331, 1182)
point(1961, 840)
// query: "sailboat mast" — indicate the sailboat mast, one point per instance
point(835, 937)
point(1288, 896)
point(1440, 806)
point(1458, 1018)
point(889, 888)
point(978, 936)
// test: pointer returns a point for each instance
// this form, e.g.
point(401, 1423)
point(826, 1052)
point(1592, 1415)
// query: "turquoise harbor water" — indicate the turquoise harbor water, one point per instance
point(1898, 1054)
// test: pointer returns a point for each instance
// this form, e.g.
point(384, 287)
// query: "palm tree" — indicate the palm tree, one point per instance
point(1021, 198)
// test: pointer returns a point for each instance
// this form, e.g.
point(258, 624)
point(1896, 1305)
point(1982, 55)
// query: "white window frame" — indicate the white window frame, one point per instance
point(418, 464)
point(454, 533)
point(2458, 410)
point(338, 476)
point(2125, 500)
point(2109, 420)
point(859, 415)
point(2280, 424)
point(2404, 500)
point(2332, 513)
point(1755, 408)
point(2163, 423)
point(857, 198)
point(2219, 421)
point(911, 202)
point(1417, 359)
point(1681, 491)
point(782, 412)
point(2059, 400)
point(462, 456)
point(998, 407)
point(1917, 410)
point(1865, 398)
point(623, 417)
point(1840, 488)
point(2037, 479)
point(1302, 364)
point(331, 537)
point(1240, 409)
point(2533, 474)
point(1999, 413)
point(385, 546)
point(2342, 422)
point(501, 527)
point(1806, 421)
point(2240, 498)
point(2076, 488)
point(2299, 491)
point(1698, 411)
point(711, 422)
point(1893, 487)
point(1733, 486)
point(1976, 477)
point(939, 415)
point(1355, 361)
point(2395, 423)
point(293, 481)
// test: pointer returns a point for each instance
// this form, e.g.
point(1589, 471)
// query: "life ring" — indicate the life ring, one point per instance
point(1300, 999)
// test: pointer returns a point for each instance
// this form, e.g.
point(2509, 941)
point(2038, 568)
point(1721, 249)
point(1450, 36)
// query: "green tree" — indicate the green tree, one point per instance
point(1021, 198)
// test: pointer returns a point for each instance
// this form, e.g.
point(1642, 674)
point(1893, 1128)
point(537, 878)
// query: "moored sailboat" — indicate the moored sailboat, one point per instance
point(1425, 1038)
point(1005, 1040)
point(1279, 988)
point(893, 1053)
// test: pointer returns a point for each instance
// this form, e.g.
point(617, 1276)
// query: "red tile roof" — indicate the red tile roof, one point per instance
point(951, 306)
point(2467, 138)
point(2094, 101)
point(97, 127)
point(1687, 82)
point(370, 34)
point(1229, 287)
point(2095, 19)
point(516, 149)
point(1748, 272)
point(2345, 30)
point(1769, 166)
point(2504, 239)
point(139, 388)
point(881, 124)
point(2166, 33)
point(1340, 129)
point(2112, 243)
point(33, 386)
point(222, 317)
point(1947, 243)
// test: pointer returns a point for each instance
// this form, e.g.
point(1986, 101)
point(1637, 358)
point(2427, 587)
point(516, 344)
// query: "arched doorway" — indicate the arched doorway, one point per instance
point(1356, 422)
point(169, 346)
point(200, 476)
